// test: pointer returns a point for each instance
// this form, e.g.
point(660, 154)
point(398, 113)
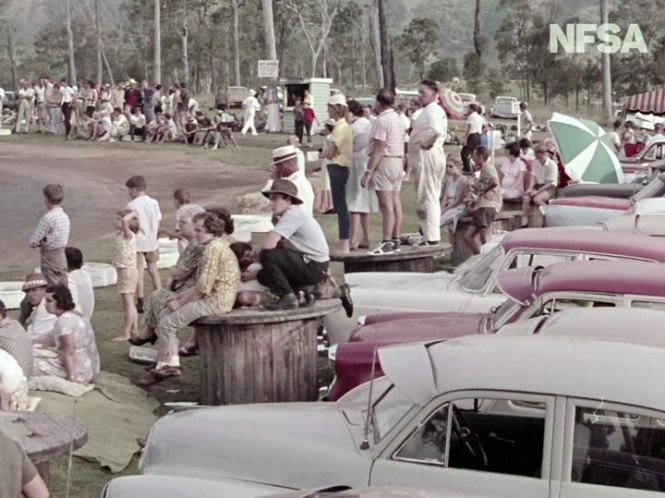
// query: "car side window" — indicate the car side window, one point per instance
point(653, 305)
point(650, 154)
point(480, 434)
point(619, 449)
point(524, 259)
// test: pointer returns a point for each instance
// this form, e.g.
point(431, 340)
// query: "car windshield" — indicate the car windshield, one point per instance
point(654, 189)
point(476, 278)
point(504, 101)
point(388, 411)
point(503, 314)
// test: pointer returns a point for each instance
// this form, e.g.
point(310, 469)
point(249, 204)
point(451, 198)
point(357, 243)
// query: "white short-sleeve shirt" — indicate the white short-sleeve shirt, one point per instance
point(149, 217)
point(475, 123)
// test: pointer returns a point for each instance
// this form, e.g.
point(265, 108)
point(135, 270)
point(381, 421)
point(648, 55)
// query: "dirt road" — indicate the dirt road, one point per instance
point(93, 178)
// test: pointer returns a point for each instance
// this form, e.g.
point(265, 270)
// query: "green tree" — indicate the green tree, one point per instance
point(473, 71)
point(514, 42)
point(495, 83)
point(419, 41)
point(444, 69)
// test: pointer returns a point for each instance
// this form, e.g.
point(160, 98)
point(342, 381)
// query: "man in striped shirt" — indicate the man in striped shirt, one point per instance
point(51, 236)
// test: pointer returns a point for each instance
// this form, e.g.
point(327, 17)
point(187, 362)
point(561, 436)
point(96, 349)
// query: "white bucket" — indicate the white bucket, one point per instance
point(101, 274)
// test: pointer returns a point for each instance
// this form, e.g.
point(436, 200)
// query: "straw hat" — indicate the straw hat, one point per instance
point(284, 153)
point(337, 99)
point(284, 187)
point(34, 280)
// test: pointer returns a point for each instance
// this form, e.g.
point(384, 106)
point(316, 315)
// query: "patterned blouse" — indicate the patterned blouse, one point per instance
point(219, 275)
point(124, 253)
point(188, 262)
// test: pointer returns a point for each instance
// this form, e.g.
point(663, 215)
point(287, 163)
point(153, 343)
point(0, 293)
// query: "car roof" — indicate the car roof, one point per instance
point(609, 277)
point(567, 366)
point(581, 240)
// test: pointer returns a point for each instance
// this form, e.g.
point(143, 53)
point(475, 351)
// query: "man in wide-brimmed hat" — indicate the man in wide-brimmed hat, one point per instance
point(302, 260)
point(40, 322)
point(285, 164)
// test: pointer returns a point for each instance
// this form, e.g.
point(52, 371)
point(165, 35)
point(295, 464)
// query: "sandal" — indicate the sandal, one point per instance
point(387, 247)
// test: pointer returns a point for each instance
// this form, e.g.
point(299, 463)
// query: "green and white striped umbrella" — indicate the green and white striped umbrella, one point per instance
point(585, 149)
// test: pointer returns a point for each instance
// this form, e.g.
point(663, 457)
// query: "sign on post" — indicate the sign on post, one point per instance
point(268, 69)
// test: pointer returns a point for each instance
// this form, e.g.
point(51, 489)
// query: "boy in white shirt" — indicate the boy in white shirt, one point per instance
point(147, 245)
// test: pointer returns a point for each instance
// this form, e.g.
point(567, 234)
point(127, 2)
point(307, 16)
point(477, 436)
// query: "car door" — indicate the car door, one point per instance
point(612, 450)
point(469, 443)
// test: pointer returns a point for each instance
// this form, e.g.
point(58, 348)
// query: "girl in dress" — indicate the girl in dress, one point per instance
point(124, 261)
point(513, 170)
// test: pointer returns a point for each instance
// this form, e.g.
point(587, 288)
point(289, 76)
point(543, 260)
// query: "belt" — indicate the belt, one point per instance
point(392, 157)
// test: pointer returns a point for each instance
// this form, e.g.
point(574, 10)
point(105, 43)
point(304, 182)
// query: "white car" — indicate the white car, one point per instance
point(647, 217)
point(472, 288)
point(518, 417)
point(503, 108)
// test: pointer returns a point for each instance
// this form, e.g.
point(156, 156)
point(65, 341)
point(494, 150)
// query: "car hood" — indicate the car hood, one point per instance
point(159, 486)
point(400, 280)
point(294, 445)
point(426, 327)
point(596, 202)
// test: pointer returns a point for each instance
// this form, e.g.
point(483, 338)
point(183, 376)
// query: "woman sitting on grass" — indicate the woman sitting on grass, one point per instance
point(72, 351)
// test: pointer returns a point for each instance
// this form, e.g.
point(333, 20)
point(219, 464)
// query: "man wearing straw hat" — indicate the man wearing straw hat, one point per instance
point(303, 257)
point(285, 164)
point(39, 323)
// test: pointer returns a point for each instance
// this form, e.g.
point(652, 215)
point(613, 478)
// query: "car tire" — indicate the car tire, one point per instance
point(11, 294)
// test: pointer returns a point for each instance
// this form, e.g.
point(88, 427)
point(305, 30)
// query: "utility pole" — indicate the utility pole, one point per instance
point(157, 63)
point(605, 66)
point(386, 50)
point(99, 45)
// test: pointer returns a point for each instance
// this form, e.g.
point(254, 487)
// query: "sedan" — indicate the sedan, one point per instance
point(596, 210)
point(472, 287)
point(532, 417)
point(531, 292)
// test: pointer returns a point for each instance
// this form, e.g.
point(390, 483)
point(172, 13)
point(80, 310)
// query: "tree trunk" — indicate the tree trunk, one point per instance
point(269, 29)
point(577, 98)
point(375, 40)
point(386, 50)
point(157, 63)
point(11, 53)
point(235, 4)
point(108, 67)
point(70, 43)
point(213, 73)
point(98, 27)
point(605, 64)
point(477, 42)
point(184, 37)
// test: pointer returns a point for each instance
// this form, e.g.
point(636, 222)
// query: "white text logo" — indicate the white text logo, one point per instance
point(604, 37)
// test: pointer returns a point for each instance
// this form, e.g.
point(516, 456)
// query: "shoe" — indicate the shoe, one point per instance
point(166, 372)
point(330, 211)
point(386, 247)
point(138, 341)
point(288, 302)
point(347, 302)
point(187, 351)
point(139, 304)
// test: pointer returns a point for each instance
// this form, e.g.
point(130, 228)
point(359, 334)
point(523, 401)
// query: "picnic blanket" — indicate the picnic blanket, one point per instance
point(116, 414)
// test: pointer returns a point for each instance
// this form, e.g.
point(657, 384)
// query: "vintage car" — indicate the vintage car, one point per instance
point(532, 417)
point(596, 210)
point(503, 108)
point(159, 486)
point(472, 288)
point(647, 218)
point(531, 291)
point(638, 166)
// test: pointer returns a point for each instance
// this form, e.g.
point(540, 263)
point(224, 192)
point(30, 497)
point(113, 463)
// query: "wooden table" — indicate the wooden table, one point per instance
point(43, 436)
point(407, 259)
point(256, 356)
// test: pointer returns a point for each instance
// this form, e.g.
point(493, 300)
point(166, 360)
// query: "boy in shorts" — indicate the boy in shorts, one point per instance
point(147, 245)
point(488, 200)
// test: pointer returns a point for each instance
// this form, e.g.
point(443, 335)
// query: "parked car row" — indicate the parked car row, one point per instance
point(534, 370)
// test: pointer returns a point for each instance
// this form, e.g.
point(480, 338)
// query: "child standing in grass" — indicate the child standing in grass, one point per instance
point(125, 263)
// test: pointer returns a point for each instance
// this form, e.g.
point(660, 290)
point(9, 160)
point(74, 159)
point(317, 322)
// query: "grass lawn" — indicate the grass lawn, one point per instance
point(88, 479)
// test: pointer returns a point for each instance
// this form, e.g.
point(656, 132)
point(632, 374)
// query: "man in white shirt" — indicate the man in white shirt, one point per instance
point(527, 121)
point(427, 160)
point(25, 97)
point(474, 129)
point(79, 283)
point(615, 136)
point(39, 323)
point(147, 244)
point(251, 106)
point(285, 163)
point(657, 135)
point(67, 103)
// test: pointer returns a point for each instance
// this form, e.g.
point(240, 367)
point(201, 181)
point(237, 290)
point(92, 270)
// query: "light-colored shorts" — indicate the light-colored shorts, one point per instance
point(389, 175)
point(149, 256)
point(128, 278)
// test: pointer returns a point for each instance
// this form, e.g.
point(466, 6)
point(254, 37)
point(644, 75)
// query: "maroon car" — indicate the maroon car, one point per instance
point(531, 291)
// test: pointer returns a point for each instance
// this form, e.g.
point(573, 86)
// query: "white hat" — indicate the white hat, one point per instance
point(281, 154)
point(252, 93)
point(337, 99)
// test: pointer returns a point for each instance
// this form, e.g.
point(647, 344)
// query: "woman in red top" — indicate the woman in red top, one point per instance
point(308, 117)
